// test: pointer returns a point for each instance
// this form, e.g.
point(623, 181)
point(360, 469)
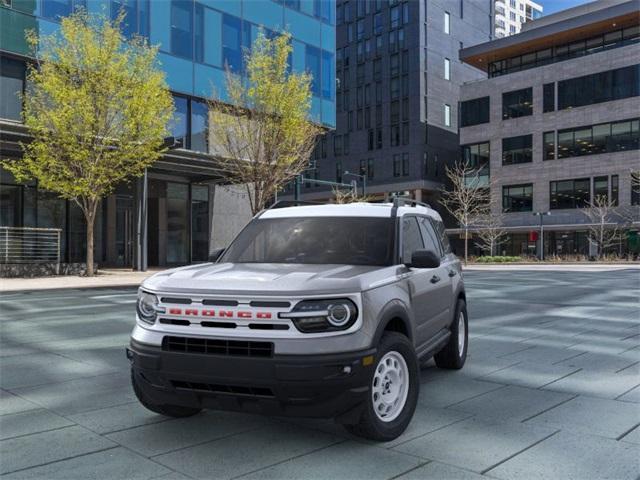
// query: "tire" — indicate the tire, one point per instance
point(175, 411)
point(396, 352)
point(454, 353)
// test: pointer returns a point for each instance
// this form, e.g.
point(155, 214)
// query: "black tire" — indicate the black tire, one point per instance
point(450, 357)
point(175, 411)
point(370, 426)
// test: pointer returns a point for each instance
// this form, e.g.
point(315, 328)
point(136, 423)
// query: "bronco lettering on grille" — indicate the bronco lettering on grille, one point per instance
point(241, 314)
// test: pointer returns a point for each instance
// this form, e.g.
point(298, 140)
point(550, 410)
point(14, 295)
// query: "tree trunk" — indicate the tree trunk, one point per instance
point(90, 217)
point(466, 244)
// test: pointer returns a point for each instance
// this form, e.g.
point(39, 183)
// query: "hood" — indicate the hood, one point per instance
point(267, 279)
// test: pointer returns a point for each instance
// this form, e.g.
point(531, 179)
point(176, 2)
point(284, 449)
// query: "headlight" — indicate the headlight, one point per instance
point(147, 307)
point(312, 316)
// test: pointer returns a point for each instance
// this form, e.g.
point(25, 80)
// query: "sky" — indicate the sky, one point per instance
point(553, 6)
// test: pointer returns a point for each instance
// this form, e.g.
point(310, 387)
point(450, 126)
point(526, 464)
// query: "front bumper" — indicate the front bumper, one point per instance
point(321, 386)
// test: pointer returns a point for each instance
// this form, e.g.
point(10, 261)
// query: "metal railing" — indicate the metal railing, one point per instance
point(30, 245)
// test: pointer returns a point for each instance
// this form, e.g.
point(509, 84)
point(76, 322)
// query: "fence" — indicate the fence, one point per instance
point(29, 245)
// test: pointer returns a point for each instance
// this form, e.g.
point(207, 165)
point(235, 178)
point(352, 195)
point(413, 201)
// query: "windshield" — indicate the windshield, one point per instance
point(317, 240)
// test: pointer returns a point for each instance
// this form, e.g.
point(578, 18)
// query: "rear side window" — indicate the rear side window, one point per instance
point(442, 234)
point(430, 238)
point(411, 238)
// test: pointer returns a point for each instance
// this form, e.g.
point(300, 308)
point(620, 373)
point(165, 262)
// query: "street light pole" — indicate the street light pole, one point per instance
point(364, 181)
point(541, 215)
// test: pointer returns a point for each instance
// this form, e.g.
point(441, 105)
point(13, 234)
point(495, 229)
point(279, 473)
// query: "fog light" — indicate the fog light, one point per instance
point(368, 360)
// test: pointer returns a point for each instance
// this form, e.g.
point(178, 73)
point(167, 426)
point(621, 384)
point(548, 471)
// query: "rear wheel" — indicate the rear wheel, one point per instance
point(454, 353)
point(393, 391)
point(176, 411)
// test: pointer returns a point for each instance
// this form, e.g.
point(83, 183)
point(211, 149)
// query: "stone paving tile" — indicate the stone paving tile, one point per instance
point(33, 421)
point(474, 444)
point(120, 417)
point(247, 452)
point(631, 396)
point(529, 374)
point(440, 471)
point(40, 448)
point(542, 355)
point(115, 463)
point(450, 390)
point(28, 370)
point(597, 416)
point(352, 460)
point(596, 384)
point(598, 362)
point(633, 436)
point(10, 403)
point(158, 438)
point(82, 395)
point(568, 456)
point(511, 403)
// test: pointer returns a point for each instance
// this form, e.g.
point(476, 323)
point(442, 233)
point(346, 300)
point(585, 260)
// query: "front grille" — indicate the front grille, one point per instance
point(237, 348)
point(229, 389)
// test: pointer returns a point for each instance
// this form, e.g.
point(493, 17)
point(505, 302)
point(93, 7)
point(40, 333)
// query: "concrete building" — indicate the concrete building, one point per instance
point(557, 122)
point(166, 218)
point(398, 86)
point(510, 15)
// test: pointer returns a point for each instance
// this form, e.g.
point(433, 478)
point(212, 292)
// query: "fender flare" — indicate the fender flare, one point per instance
point(392, 310)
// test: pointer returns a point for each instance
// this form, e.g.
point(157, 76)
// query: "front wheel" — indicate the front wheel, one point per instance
point(393, 391)
point(454, 353)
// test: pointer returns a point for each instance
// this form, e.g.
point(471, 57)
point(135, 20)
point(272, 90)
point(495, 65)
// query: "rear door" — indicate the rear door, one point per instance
point(440, 279)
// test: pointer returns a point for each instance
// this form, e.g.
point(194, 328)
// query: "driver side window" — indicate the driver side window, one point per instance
point(411, 238)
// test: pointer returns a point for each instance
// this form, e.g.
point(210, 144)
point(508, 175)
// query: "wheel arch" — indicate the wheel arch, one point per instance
point(394, 318)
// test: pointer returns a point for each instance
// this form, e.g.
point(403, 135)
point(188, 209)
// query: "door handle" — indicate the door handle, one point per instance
point(435, 279)
point(452, 273)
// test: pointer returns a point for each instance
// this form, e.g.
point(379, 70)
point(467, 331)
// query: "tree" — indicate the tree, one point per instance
point(467, 197)
point(342, 196)
point(605, 223)
point(261, 131)
point(491, 232)
point(97, 108)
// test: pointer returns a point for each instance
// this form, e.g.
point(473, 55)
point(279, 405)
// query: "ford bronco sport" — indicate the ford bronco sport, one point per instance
point(319, 311)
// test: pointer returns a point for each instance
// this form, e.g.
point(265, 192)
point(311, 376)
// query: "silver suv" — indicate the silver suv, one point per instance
point(314, 310)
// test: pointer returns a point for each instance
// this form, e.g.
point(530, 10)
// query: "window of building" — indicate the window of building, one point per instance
point(599, 87)
point(474, 112)
point(136, 19)
point(549, 145)
point(231, 43)
point(394, 112)
point(312, 63)
point(394, 87)
point(370, 140)
point(367, 117)
point(359, 119)
point(477, 156)
point(549, 97)
point(182, 28)
point(518, 103)
point(516, 150)
point(635, 188)
point(394, 16)
point(56, 9)
point(328, 75)
point(601, 188)
point(360, 29)
point(517, 198)
point(405, 133)
point(199, 126)
point(337, 145)
point(570, 193)
point(12, 78)
point(339, 172)
point(602, 138)
point(179, 125)
point(378, 138)
point(447, 23)
point(397, 166)
point(370, 168)
point(447, 115)
point(394, 65)
point(405, 164)
point(377, 69)
point(377, 23)
point(615, 192)
point(447, 69)
point(395, 135)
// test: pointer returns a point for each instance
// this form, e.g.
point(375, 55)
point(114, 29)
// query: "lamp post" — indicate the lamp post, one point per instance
point(364, 181)
point(541, 215)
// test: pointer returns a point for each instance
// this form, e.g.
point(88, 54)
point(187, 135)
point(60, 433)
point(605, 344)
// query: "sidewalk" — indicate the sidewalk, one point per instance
point(557, 267)
point(105, 278)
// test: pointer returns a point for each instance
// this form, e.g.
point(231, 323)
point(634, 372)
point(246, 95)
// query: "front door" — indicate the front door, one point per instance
point(124, 231)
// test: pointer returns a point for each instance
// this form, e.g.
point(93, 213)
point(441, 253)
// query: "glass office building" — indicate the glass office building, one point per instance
point(198, 40)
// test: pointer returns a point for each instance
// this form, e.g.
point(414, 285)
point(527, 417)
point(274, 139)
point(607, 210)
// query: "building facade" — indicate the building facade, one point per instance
point(511, 15)
point(398, 79)
point(166, 218)
point(556, 124)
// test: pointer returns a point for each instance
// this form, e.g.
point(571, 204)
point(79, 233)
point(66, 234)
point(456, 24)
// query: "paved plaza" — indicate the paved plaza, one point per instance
point(551, 390)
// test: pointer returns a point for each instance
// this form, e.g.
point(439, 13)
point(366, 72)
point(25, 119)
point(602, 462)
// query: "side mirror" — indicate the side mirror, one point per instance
point(215, 255)
point(424, 259)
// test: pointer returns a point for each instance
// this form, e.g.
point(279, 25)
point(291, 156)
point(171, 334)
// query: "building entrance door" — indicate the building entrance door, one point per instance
point(124, 231)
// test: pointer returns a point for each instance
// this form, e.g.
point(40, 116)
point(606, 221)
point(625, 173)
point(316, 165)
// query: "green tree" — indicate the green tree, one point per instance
point(261, 131)
point(97, 107)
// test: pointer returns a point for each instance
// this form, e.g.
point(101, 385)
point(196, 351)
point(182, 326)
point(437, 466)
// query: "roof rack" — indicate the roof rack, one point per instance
point(406, 201)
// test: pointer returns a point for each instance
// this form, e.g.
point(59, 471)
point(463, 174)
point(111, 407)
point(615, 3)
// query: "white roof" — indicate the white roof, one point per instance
point(347, 210)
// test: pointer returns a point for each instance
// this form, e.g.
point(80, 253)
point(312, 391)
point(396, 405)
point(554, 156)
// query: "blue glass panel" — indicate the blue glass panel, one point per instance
point(160, 23)
point(182, 28)
point(209, 82)
point(267, 14)
point(54, 9)
point(316, 108)
point(302, 27)
point(228, 6)
point(312, 63)
point(328, 37)
point(198, 34)
point(231, 42)
point(143, 18)
point(130, 9)
point(329, 113)
point(307, 6)
point(199, 126)
point(212, 37)
point(328, 75)
point(298, 56)
point(179, 73)
point(98, 6)
point(179, 123)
